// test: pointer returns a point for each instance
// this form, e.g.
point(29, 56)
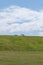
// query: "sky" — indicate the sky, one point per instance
point(21, 17)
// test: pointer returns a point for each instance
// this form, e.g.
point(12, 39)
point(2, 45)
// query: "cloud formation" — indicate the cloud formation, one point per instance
point(19, 20)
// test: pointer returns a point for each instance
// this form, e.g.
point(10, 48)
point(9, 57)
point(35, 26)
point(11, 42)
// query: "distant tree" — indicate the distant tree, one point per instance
point(22, 35)
point(16, 35)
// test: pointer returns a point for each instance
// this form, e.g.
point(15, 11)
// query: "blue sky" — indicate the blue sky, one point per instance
point(33, 4)
point(21, 17)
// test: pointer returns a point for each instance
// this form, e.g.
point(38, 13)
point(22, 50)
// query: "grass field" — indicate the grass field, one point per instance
point(18, 43)
point(21, 50)
point(21, 58)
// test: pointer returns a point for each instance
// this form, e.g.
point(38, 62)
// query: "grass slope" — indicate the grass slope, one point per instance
point(21, 58)
point(21, 43)
point(21, 50)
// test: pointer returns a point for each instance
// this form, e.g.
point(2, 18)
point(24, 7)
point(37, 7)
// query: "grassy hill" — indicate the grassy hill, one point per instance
point(14, 50)
point(21, 43)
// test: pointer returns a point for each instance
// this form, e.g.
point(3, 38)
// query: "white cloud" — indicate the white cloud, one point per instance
point(19, 19)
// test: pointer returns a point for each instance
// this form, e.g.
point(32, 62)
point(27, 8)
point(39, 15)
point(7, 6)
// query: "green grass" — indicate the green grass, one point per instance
point(21, 43)
point(21, 58)
point(21, 50)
